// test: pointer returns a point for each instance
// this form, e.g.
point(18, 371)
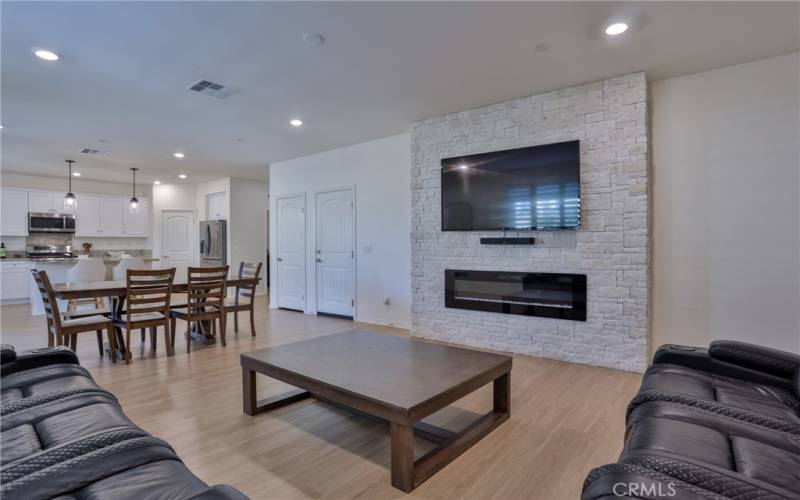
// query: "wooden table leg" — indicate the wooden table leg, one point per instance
point(502, 394)
point(402, 456)
point(252, 406)
point(249, 402)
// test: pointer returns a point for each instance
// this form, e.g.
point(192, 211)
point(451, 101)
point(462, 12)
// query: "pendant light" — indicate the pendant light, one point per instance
point(133, 206)
point(70, 202)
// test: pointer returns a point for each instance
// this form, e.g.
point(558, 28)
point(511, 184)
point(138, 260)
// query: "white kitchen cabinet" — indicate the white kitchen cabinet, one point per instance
point(47, 202)
point(108, 216)
point(111, 216)
point(87, 216)
point(135, 224)
point(216, 206)
point(14, 208)
point(14, 281)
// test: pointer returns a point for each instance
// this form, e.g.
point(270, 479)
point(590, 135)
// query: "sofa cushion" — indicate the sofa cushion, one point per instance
point(742, 454)
point(760, 399)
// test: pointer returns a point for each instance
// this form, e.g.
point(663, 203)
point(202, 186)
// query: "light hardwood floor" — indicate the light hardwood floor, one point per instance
point(565, 419)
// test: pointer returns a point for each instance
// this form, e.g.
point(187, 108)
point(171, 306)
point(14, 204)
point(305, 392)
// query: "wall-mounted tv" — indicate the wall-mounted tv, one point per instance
point(526, 189)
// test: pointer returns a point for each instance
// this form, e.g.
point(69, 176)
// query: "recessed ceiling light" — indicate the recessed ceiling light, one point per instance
point(463, 167)
point(295, 122)
point(1, 126)
point(313, 39)
point(183, 176)
point(178, 155)
point(47, 55)
point(616, 29)
point(76, 174)
point(157, 183)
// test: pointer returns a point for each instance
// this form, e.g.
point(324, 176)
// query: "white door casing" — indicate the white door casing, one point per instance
point(291, 244)
point(335, 252)
point(177, 241)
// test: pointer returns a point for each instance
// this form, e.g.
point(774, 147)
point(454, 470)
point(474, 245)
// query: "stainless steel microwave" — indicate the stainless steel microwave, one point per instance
point(51, 223)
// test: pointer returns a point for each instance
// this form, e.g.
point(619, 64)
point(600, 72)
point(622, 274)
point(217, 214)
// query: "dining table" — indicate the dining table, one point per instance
point(116, 291)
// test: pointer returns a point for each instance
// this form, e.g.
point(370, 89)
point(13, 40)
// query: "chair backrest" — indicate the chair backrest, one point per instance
point(206, 286)
point(87, 270)
point(48, 300)
point(125, 263)
point(248, 270)
point(148, 291)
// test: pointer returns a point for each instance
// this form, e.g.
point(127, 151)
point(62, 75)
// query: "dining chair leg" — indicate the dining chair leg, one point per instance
point(73, 342)
point(235, 321)
point(100, 342)
point(168, 340)
point(142, 334)
point(252, 320)
point(172, 333)
point(222, 328)
point(188, 336)
point(128, 354)
point(153, 342)
point(50, 339)
point(112, 342)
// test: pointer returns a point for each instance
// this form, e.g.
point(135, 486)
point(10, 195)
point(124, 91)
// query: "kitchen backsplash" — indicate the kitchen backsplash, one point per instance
point(100, 246)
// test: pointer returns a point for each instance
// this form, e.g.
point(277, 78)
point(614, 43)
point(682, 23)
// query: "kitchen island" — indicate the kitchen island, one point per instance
point(56, 269)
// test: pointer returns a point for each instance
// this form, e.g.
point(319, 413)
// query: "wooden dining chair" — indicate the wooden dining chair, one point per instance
point(64, 331)
point(244, 296)
point(205, 294)
point(148, 293)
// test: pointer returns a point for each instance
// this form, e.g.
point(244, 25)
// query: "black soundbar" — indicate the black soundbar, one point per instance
point(507, 241)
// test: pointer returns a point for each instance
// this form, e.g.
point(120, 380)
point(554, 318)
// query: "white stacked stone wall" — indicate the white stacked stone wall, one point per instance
point(612, 247)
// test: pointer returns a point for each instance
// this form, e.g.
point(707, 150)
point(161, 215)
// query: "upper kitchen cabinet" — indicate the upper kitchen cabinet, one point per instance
point(14, 217)
point(47, 202)
point(216, 206)
point(108, 216)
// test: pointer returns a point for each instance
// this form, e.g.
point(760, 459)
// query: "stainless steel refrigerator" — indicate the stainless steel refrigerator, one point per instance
point(213, 243)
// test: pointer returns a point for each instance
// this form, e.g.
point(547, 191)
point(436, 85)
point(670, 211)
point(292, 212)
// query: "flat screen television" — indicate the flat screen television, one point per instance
point(526, 189)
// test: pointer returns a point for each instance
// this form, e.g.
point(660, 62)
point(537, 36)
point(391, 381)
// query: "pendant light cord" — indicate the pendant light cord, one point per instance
point(69, 178)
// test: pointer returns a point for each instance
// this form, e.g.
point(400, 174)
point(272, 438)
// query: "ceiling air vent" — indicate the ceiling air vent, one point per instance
point(212, 89)
point(88, 151)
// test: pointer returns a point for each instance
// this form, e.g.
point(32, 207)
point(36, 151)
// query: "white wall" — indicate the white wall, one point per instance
point(380, 172)
point(176, 196)
point(725, 205)
point(247, 224)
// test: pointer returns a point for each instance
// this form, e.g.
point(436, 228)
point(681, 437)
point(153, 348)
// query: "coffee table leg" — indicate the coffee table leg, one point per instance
point(249, 402)
point(502, 394)
point(402, 456)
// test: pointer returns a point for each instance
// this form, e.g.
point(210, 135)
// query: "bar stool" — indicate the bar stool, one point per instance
point(87, 269)
point(134, 262)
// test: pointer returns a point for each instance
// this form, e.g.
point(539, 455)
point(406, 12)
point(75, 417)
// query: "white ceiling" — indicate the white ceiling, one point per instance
point(125, 67)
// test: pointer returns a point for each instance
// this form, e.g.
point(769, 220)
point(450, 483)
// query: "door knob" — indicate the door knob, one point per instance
point(319, 260)
point(280, 259)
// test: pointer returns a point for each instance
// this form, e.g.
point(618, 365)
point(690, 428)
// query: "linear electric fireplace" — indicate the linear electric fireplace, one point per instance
point(550, 295)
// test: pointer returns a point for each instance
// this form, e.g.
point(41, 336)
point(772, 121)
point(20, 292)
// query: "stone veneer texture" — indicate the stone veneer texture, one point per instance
point(612, 247)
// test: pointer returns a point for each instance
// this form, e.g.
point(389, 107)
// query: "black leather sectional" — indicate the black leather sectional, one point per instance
point(64, 437)
point(722, 422)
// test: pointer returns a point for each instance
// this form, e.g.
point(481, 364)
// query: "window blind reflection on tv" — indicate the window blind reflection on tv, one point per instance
point(533, 188)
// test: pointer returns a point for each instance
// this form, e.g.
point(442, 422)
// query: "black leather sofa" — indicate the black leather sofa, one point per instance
point(62, 436)
point(722, 422)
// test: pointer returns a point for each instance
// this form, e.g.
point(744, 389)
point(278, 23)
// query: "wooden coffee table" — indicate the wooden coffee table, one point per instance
point(394, 379)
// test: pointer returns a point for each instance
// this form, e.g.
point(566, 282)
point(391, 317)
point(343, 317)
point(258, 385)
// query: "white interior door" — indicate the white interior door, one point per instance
point(177, 242)
point(335, 252)
point(291, 244)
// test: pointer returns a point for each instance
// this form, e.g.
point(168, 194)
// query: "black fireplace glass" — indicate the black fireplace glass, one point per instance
point(550, 295)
